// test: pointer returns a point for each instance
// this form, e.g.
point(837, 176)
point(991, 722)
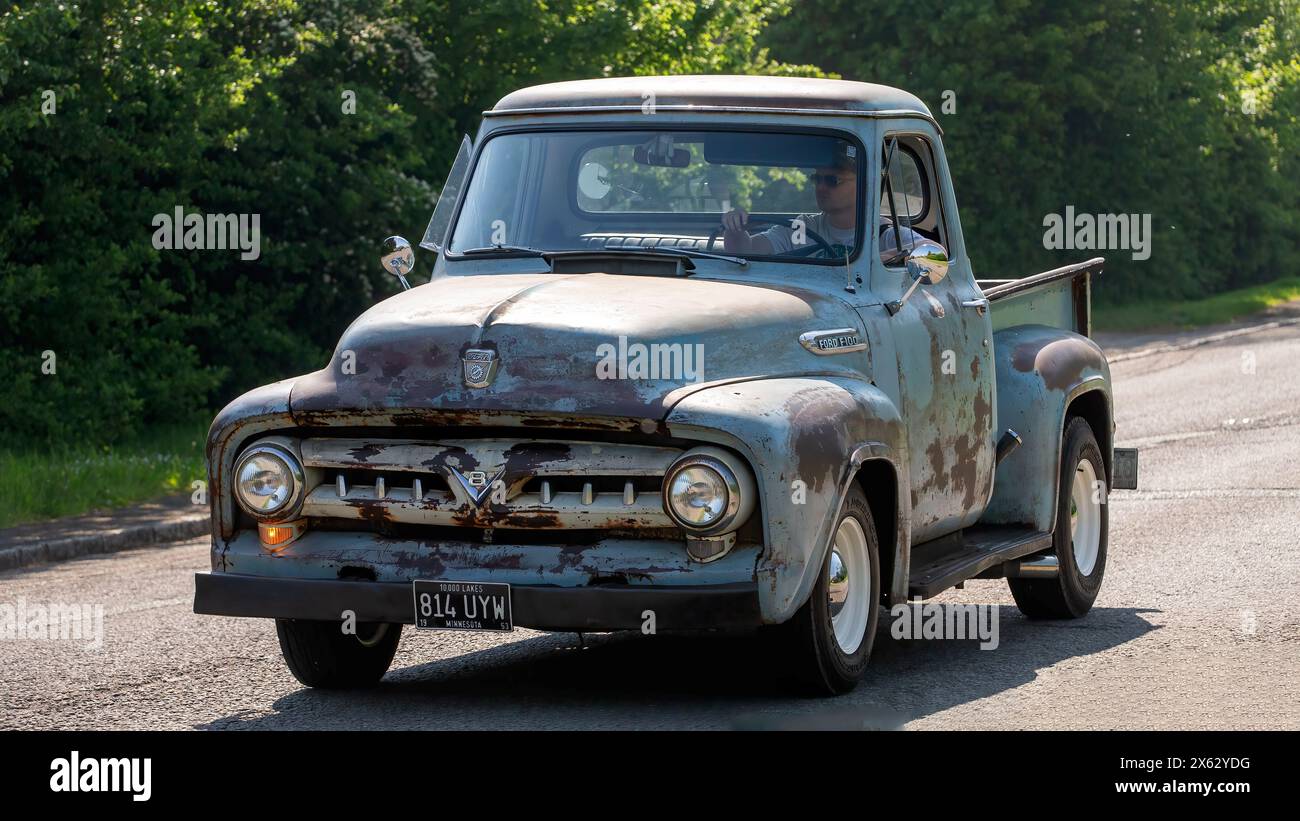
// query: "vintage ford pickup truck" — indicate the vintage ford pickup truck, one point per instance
point(694, 353)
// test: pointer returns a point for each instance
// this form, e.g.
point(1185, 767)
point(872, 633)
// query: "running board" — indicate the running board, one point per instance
point(951, 560)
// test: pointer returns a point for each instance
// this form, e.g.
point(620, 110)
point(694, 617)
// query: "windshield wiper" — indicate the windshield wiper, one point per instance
point(691, 252)
point(496, 249)
point(665, 251)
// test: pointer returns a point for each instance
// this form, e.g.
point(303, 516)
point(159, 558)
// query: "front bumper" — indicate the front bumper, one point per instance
point(542, 607)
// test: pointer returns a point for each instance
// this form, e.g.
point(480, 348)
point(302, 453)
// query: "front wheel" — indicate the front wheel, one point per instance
point(320, 654)
point(1080, 536)
point(828, 641)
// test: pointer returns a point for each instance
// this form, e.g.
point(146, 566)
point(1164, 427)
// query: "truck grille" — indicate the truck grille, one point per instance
point(488, 483)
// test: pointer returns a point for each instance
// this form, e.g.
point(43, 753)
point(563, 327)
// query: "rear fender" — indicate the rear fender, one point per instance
point(1040, 371)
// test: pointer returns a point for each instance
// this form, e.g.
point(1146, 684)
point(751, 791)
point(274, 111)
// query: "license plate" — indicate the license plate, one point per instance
point(462, 606)
point(1125, 468)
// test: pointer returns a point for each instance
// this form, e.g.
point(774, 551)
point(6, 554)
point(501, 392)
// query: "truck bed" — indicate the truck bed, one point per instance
point(1060, 298)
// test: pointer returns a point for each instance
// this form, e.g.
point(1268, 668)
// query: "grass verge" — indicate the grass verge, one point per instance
point(1213, 310)
point(66, 481)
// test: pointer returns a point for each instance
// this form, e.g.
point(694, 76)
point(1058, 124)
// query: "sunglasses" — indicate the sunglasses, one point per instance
point(829, 180)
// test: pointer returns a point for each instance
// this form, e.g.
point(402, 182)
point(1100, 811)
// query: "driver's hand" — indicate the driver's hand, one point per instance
point(735, 220)
point(735, 239)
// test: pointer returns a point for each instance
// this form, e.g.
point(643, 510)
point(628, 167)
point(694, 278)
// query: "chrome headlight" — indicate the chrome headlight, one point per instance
point(268, 481)
point(708, 491)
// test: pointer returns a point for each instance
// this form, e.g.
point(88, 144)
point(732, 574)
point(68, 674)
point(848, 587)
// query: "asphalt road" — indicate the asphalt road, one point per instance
point(1197, 625)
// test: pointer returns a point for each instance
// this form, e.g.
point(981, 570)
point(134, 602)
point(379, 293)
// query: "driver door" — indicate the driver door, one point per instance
point(942, 338)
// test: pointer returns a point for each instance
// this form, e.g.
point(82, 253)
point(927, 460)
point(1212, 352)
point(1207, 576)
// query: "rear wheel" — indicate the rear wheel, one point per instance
point(320, 654)
point(1080, 536)
point(828, 641)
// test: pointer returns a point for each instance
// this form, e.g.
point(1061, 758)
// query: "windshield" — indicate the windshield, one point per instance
point(760, 194)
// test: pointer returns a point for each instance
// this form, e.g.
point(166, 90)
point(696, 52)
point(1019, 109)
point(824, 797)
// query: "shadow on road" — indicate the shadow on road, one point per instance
point(629, 681)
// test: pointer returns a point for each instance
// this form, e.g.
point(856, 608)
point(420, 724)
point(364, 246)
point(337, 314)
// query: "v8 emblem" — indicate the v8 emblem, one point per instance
point(475, 483)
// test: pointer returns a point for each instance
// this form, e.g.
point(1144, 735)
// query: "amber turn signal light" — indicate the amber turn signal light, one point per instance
point(278, 536)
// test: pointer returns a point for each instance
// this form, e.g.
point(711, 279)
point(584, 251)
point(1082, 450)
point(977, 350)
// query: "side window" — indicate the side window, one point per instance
point(904, 183)
point(908, 198)
point(436, 233)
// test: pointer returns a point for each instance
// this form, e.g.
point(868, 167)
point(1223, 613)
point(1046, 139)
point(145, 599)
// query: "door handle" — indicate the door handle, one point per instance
point(981, 305)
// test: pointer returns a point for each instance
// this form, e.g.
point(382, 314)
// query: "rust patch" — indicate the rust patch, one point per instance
point(464, 460)
point(570, 557)
point(1059, 361)
point(363, 454)
point(523, 460)
point(647, 573)
point(983, 412)
point(453, 418)
point(965, 469)
point(588, 423)
point(935, 454)
point(372, 511)
point(511, 561)
point(357, 571)
point(539, 520)
point(816, 434)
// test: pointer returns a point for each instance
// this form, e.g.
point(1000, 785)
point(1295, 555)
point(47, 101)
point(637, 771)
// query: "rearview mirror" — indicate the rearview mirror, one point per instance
point(660, 152)
point(928, 261)
point(398, 258)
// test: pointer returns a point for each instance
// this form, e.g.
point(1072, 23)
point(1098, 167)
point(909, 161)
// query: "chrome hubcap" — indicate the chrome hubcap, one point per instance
point(848, 585)
point(1085, 519)
point(839, 583)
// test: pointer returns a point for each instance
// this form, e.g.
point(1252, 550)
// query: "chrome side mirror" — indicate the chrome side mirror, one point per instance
point(398, 258)
point(929, 261)
point(926, 262)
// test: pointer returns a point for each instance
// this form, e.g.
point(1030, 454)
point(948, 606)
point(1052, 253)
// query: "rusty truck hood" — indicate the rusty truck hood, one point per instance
point(580, 344)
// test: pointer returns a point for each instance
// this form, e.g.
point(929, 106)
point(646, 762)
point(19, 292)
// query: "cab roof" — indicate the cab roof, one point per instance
point(714, 92)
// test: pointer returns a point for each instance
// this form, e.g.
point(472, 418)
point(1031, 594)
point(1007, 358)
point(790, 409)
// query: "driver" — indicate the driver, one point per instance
point(836, 187)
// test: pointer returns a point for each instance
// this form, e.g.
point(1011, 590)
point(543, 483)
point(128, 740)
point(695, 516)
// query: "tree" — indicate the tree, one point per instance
point(1112, 106)
point(333, 121)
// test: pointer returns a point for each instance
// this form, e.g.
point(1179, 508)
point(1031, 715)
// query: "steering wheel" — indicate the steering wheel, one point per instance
point(818, 244)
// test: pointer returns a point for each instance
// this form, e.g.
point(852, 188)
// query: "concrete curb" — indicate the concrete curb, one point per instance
point(61, 540)
point(110, 542)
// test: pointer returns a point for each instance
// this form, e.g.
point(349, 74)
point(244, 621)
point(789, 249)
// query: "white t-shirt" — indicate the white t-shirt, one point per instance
point(782, 236)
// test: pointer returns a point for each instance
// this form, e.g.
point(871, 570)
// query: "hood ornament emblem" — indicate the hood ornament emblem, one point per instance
point(479, 367)
point(476, 483)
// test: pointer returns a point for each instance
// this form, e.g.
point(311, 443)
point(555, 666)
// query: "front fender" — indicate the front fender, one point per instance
point(259, 410)
point(805, 437)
